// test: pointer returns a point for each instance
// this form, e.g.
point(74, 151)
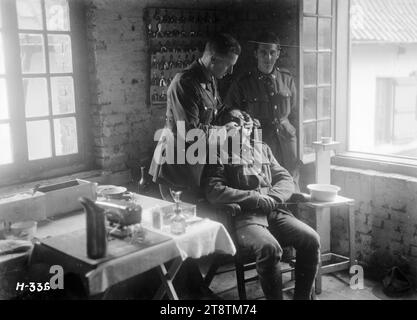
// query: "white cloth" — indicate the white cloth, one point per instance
point(203, 238)
point(200, 239)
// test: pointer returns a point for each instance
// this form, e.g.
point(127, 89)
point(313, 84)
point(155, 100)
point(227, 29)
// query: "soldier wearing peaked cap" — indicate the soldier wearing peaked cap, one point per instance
point(268, 93)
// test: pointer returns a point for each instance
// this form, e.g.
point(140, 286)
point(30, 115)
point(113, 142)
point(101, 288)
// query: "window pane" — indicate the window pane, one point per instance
point(405, 115)
point(383, 82)
point(32, 53)
point(310, 136)
point(29, 14)
point(57, 15)
point(6, 144)
point(39, 139)
point(324, 68)
point(65, 130)
point(62, 95)
point(310, 6)
point(324, 129)
point(323, 102)
point(4, 105)
point(1, 54)
point(325, 7)
point(310, 69)
point(60, 57)
point(325, 33)
point(36, 97)
point(309, 33)
point(310, 104)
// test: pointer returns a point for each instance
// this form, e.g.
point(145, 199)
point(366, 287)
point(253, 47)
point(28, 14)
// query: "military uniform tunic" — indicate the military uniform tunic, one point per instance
point(272, 99)
point(192, 98)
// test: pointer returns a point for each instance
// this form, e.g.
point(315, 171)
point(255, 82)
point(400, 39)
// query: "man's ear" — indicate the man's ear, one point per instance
point(212, 59)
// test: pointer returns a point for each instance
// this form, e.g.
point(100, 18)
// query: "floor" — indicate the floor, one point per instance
point(335, 287)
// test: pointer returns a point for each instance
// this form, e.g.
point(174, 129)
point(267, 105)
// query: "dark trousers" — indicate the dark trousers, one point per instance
point(267, 243)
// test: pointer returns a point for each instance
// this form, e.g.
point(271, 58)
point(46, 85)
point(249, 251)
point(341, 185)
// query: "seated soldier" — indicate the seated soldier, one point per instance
point(265, 226)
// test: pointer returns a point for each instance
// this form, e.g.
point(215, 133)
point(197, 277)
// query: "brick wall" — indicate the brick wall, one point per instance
point(123, 121)
point(385, 219)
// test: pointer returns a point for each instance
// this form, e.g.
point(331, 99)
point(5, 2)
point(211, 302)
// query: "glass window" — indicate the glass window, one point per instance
point(310, 69)
point(36, 97)
point(60, 58)
point(309, 33)
point(324, 68)
point(29, 14)
point(318, 87)
point(6, 144)
point(57, 15)
point(310, 104)
point(32, 53)
point(4, 106)
point(39, 139)
point(2, 70)
point(62, 95)
point(325, 7)
point(41, 122)
point(325, 33)
point(65, 136)
point(324, 102)
point(383, 86)
point(310, 6)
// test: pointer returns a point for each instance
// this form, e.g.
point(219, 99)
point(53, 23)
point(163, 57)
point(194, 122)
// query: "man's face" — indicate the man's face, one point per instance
point(222, 65)
point(267, 55)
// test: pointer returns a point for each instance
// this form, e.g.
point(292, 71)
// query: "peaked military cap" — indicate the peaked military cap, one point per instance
point(267, 37)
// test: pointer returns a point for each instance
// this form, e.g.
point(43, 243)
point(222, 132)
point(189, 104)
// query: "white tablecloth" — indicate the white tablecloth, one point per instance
point(201, 238)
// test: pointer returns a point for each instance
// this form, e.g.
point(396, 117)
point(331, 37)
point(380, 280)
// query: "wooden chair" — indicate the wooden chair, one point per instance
point(243, 260)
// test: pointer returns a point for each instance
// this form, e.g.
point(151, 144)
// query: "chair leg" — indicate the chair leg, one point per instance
point(240, 278)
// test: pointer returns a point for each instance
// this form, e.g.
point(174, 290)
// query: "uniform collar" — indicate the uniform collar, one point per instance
point(261, 76)
point(201, 72)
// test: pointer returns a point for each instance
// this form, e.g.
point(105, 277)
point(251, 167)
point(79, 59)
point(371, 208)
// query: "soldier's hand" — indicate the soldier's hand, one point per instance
point(266, 203)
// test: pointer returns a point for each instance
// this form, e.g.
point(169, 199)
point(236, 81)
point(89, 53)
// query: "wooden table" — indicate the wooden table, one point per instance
point(125, 260)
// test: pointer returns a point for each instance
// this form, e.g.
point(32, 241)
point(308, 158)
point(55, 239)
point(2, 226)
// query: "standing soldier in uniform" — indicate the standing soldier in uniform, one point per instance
point(193, 102)
point(268, 94)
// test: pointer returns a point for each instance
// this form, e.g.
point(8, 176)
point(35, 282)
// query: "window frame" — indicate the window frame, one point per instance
point(344, 157)
point(309, 158)
point(21, 169)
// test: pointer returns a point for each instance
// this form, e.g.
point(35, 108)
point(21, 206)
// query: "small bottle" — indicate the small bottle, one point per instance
point(178, 223)
point(142, 181)
point(157, 218)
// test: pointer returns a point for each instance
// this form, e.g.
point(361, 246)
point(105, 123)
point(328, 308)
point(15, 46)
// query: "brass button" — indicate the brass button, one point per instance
point(275, 107)
point(271, 93)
